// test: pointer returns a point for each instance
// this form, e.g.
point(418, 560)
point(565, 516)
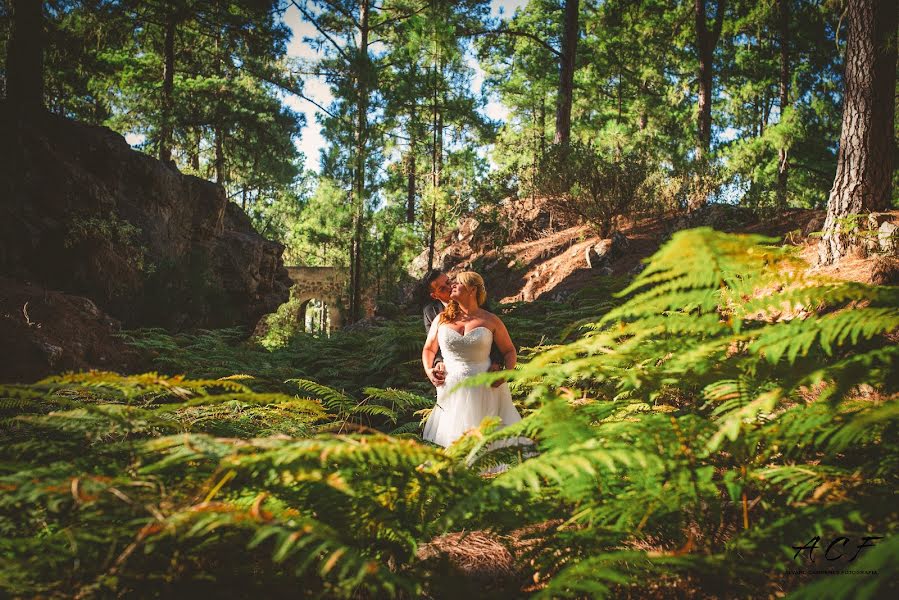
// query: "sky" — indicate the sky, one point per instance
point(311, 140)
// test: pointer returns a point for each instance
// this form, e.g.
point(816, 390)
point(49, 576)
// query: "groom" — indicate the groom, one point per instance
point(437, 290)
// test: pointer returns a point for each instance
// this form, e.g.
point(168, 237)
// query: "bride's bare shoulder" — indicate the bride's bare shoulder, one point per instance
point(490, 318)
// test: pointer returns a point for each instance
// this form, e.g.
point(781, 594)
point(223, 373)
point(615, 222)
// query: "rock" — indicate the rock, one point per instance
point(875, 220)
point(467, 228)
point(85, 214)
point(45, 331)
point(604, 252)
point(885, 271)
point(816, 223)
point(888, 238)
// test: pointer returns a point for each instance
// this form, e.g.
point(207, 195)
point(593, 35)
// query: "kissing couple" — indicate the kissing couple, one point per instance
point(463, 340)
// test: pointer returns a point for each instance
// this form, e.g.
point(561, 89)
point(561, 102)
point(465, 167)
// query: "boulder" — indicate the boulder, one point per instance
point(885, 271)
point(85, 214)
point(600, 255)
point(816, 223)
point(888, 238)
point(46, 331)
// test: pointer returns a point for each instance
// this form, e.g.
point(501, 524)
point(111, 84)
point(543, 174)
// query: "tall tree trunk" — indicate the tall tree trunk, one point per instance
point(360, 157)
point(168, 86)
point(782, 166)
point(865, 158)
point(411, 182)
point(411, 173)
point(706, 40)
point(195, 153)
point(541, 124)
point(219, 150)
point(436, 140)
point(566, 72)
point(219, 128)
point(25, 57)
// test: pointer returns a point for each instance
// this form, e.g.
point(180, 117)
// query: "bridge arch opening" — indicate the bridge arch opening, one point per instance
point(315, 317)
point(321, 293)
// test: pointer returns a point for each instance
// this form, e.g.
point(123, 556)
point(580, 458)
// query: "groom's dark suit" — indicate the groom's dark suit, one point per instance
point(432, 310)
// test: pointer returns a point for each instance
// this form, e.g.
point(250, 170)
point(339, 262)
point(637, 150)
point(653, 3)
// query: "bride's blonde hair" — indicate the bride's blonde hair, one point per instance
point(468, 279)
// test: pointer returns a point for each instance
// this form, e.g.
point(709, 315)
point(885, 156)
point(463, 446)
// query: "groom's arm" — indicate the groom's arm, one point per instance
point(496, 356)
point(428, 353)
point(430, 313)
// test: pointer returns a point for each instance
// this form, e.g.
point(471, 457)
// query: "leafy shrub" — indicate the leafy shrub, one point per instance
point(111, 233)
point(731, 407)
point(583, 183)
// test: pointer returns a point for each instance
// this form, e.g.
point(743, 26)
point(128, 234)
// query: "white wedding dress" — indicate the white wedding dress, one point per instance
point(458, 411)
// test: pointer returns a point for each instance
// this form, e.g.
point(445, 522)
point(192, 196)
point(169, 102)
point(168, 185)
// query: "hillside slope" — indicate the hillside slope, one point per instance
point(523, 258)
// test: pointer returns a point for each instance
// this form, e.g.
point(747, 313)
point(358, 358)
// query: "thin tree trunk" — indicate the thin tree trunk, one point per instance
point(566, 73)
point(782, 166)
point(218, 129)
point(195, 153)
point(168, 86)
point(411, 173)
point(219, 151)
point(411, 182)
point(865, 159)
point(435, 177)
point(541, 124)
point(359, 171)
point(706, 40)
point(25, 57)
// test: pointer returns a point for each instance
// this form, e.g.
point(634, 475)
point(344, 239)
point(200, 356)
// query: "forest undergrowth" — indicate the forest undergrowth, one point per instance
point(694, 425)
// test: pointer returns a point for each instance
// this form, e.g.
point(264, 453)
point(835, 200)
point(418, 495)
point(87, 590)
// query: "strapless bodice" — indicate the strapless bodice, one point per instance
point(465, 354)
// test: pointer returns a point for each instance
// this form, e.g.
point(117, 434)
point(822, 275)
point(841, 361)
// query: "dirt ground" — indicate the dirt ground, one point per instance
point(554, 264)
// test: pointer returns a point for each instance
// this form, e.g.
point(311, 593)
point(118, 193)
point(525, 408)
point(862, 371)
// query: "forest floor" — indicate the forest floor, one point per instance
point(543, 276)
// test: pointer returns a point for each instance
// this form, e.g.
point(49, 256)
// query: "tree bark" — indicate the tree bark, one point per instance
point(541, 124)
point(195, 153)
point(360, 156)
point(566, 73)
point(865, 158)
point(411, 174)
point(782, 166)
point(706, 40)
point(436, 158)
point(219, 151)
point(410, 182)
point(168, 86)
point(25, 57)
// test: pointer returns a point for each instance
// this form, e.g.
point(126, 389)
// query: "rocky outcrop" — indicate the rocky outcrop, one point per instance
point(45, 332)
point(83, 213)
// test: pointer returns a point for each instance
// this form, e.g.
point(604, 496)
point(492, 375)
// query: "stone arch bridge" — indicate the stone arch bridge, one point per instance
point(325, 284)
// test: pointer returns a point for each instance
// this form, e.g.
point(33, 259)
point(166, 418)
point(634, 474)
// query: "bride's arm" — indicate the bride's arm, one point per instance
point(430, 351)
point(504, 343)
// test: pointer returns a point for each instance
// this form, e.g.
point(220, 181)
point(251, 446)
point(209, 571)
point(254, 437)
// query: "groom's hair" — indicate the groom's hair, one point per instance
point(426, 282)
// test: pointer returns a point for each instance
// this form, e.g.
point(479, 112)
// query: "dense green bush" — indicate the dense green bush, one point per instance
point(730, 408)
point(582, 183)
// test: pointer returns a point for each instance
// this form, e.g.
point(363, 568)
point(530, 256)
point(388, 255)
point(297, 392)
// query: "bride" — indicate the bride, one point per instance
point(464, 332)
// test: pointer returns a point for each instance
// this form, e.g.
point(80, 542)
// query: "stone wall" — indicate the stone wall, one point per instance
point(322, 283)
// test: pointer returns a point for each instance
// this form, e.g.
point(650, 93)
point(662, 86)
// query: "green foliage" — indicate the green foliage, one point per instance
point(587, 185)
point(111, 233)
point(728, 406)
